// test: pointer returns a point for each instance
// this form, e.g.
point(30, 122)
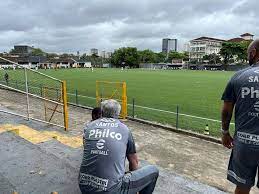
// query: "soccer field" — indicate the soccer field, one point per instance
point(196, 93)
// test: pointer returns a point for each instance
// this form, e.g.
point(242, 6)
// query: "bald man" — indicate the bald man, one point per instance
point(242, 92)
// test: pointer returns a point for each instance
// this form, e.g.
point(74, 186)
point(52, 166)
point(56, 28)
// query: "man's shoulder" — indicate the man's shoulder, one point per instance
point(246, 70)
point(92, 123)
point(123, 126)
point(104, 121)
point(121, 123)
point(243, 72)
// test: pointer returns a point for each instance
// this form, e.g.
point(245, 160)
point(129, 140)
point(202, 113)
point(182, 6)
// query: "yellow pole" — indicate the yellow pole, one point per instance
point(64, 96)
point(124, 100)
point(45, 106)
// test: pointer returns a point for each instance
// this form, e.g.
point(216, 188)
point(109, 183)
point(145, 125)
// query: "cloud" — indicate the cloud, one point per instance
point(69, 26)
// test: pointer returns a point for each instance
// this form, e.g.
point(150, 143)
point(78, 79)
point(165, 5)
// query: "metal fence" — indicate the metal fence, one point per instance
point(175, 117)
point(34, 95)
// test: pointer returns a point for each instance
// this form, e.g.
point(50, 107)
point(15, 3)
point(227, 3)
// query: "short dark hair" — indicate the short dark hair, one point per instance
point(96, 113)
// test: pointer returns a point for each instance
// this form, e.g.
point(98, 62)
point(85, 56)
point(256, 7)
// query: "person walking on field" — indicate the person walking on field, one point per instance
point(6, 77)
point(242, 93)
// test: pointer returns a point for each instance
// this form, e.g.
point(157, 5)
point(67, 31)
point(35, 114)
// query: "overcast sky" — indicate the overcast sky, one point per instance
point(79, 25)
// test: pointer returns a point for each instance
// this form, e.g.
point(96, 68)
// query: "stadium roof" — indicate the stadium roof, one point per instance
point(23, 59)
point(60, 60)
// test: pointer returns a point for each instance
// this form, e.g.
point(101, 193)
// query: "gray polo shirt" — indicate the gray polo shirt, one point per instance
point(243, 90)
point(107, 141)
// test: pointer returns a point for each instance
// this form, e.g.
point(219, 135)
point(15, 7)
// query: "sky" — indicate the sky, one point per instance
point(79, 25)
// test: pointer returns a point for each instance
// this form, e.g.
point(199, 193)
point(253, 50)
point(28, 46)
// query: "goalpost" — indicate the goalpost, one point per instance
point(35, 95)
point(112, 90)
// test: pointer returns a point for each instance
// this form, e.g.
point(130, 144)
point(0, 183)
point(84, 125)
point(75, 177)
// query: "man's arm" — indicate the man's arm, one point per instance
point(133, 161)
point(226, 115)
point(131, 153)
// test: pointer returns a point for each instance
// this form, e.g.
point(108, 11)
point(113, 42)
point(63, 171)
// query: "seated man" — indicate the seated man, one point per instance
point(96, 113)
point(107, 143)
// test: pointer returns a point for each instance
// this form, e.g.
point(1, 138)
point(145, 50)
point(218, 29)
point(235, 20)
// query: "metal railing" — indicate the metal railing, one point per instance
point(175, 118)
point(24, 81)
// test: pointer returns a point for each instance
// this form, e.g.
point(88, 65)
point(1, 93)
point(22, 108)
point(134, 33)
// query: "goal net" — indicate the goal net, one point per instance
point(112, 90)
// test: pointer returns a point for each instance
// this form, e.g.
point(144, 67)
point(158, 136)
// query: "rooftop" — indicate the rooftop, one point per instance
point(236, 40)
point(246, 34)
point(208, 38)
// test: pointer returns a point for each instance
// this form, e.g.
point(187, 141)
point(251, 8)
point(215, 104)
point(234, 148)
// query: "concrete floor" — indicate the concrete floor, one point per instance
point(52, 166)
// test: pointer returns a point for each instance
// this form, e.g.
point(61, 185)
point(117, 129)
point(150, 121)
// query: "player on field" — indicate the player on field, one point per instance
point(107, 144)
point(242, 93)
point(6, 77)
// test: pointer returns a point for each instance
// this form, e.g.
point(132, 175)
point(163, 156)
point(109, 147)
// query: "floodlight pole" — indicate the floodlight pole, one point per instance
point(27, 93)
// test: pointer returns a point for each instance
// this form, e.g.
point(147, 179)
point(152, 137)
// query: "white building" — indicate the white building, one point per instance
point(202, 46)
point(186, 47)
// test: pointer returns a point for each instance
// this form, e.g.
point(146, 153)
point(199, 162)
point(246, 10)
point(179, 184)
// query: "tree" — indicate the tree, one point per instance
point(37, 52)
point(160, 57)
point(242, 55)
point(51, 55)
point(234, 50)
point(94, 59)
point(226, 52)
point(176, 55)
point(186, 56)
point(147, 56)
point(126, 56)
point(11, 51)
point(212, 58)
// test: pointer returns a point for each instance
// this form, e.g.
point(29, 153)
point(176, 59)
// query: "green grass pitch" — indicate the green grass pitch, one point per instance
point(196, 93)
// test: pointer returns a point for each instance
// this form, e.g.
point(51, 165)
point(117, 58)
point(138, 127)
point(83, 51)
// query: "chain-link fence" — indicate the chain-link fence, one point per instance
point(37, 96)
point(175, 116)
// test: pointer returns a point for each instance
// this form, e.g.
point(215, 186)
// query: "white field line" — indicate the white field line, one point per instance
point(164, 111)
point(81, 96)
point(175, 113)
